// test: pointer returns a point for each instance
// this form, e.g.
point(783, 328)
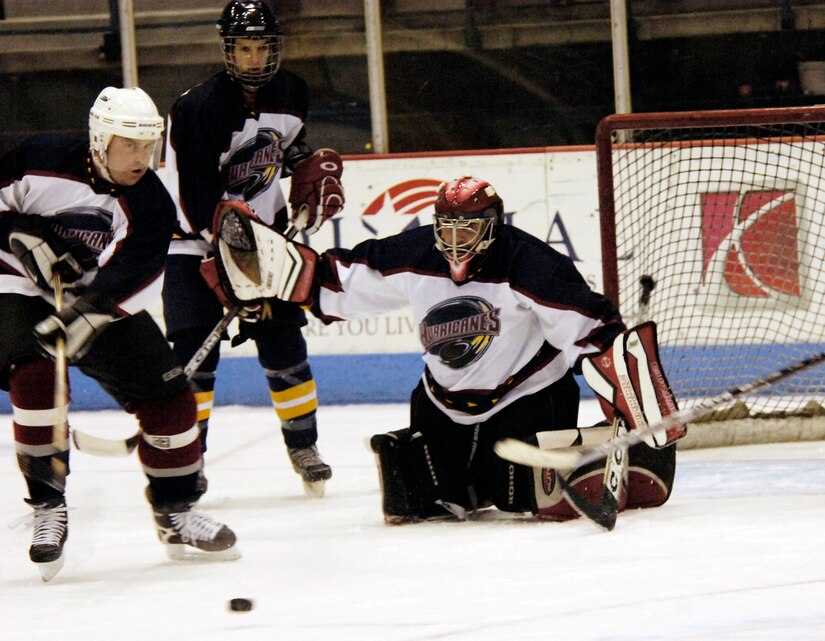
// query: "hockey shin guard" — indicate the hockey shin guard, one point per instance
point(32, 398)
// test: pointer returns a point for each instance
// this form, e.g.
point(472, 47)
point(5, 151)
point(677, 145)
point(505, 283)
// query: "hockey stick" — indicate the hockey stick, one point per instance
point(100, 446)
point(61, 392)
point(55, 474)
point(525, 454)
point(606, 511)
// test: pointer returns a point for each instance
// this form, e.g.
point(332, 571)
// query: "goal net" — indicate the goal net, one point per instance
point(713, 225)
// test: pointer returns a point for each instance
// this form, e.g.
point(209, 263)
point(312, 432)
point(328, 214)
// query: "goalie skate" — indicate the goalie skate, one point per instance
point(51, 529)
point(190, 535)
point(307, 462)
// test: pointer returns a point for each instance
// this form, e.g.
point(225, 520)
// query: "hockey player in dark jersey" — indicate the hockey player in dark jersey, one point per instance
point(504, 320)
point(233, 137)
point(91, 215)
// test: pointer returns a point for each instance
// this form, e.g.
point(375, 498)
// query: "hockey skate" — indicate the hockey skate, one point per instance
point(190, 535)
point(306, 461)
point(51, 528)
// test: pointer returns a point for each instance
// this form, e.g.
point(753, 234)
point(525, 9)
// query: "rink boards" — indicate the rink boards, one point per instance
point(549, 192)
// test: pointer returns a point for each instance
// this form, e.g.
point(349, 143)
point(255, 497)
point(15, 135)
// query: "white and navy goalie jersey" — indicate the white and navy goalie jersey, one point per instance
point(124, 231)
point(524, 319)
point(221, 149)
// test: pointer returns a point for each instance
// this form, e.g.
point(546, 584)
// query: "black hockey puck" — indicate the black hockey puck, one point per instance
point(240, 605)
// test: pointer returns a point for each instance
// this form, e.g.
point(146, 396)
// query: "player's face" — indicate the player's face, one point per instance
point(251, 55)
point(461, 235)
point(128, 159)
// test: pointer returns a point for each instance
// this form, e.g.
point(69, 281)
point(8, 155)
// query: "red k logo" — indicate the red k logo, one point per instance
point(750, 240)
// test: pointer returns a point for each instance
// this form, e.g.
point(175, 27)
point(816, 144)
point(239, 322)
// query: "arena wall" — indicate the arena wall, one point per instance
point(549, 192)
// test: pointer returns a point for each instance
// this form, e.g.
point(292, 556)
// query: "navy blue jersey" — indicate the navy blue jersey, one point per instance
point(125, 229)
point(523, 320)
point(220, 148)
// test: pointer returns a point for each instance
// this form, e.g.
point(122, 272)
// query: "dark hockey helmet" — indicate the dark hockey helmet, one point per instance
point(467, 211)
point(250, 20)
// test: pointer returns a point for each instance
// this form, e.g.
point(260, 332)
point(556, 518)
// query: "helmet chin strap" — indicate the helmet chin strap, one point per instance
point(100, 165)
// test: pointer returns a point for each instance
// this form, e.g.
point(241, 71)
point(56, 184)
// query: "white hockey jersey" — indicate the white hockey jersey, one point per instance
point(524, 318)
point(125, 230)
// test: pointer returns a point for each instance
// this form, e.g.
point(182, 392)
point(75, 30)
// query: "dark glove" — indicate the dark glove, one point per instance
point(79, 325)
point(317, 193)
point(42, 252)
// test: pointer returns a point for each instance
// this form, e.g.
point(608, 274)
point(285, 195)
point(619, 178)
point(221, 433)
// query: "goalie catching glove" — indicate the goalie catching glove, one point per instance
point(317, 194)
point(629, 381)
point(255, 263)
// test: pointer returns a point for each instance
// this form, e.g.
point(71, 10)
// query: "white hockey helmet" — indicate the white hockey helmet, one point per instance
point(129, 113)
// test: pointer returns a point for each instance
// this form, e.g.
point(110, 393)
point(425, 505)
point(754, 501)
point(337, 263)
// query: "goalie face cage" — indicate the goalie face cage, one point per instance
point(713, 224)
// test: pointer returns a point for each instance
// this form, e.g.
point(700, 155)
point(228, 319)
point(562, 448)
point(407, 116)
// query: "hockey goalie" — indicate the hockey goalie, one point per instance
point(504, 321)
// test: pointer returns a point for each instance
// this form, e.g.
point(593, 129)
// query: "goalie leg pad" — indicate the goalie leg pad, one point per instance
point(628, 380)
point(551, 502)
point(650, 475)
point(406, 476)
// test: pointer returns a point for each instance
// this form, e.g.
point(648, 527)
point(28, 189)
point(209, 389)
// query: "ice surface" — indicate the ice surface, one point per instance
point(736, 554)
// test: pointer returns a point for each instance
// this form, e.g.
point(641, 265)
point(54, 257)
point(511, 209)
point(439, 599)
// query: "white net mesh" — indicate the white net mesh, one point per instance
point(725, 211)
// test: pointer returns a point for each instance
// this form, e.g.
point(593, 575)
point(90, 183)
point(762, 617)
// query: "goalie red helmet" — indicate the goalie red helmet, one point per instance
point(252, 42)
point(467, 211)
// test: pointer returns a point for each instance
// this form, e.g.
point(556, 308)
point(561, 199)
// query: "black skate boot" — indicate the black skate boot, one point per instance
point(51, 528)
point(188, 534)
point(306, 461)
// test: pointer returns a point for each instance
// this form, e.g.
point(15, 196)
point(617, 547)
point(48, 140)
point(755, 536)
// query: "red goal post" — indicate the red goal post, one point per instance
point(713, 225)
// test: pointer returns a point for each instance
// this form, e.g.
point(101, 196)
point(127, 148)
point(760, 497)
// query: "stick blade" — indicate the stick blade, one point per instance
point(523, 453)
point(99, 446)
point(604, 513)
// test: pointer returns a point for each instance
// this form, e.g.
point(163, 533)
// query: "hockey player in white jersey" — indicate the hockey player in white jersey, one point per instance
point(90, 215)
point(233, 137)
point(504, 321)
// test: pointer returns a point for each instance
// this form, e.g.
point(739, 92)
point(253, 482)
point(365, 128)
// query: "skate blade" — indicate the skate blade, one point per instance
point(49, 569)
point(314, 489)
point(182, 552)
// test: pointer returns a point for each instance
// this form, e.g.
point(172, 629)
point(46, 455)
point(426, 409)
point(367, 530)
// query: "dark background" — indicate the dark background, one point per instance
point(470, 98)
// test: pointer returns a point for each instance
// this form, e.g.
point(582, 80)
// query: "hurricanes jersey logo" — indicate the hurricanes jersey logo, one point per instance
point(460, 330)
point(88, 229)
point(255, 166)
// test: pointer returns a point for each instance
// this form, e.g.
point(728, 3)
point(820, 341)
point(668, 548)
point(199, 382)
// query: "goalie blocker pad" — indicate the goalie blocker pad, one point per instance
point(255, 262)
point(628, 380)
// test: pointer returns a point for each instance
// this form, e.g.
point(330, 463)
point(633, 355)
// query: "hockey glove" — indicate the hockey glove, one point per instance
point(44, 253)
point(79, 325)
point(317, 193)
point(254, 262)
point(629, 381)
point(209, 272)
